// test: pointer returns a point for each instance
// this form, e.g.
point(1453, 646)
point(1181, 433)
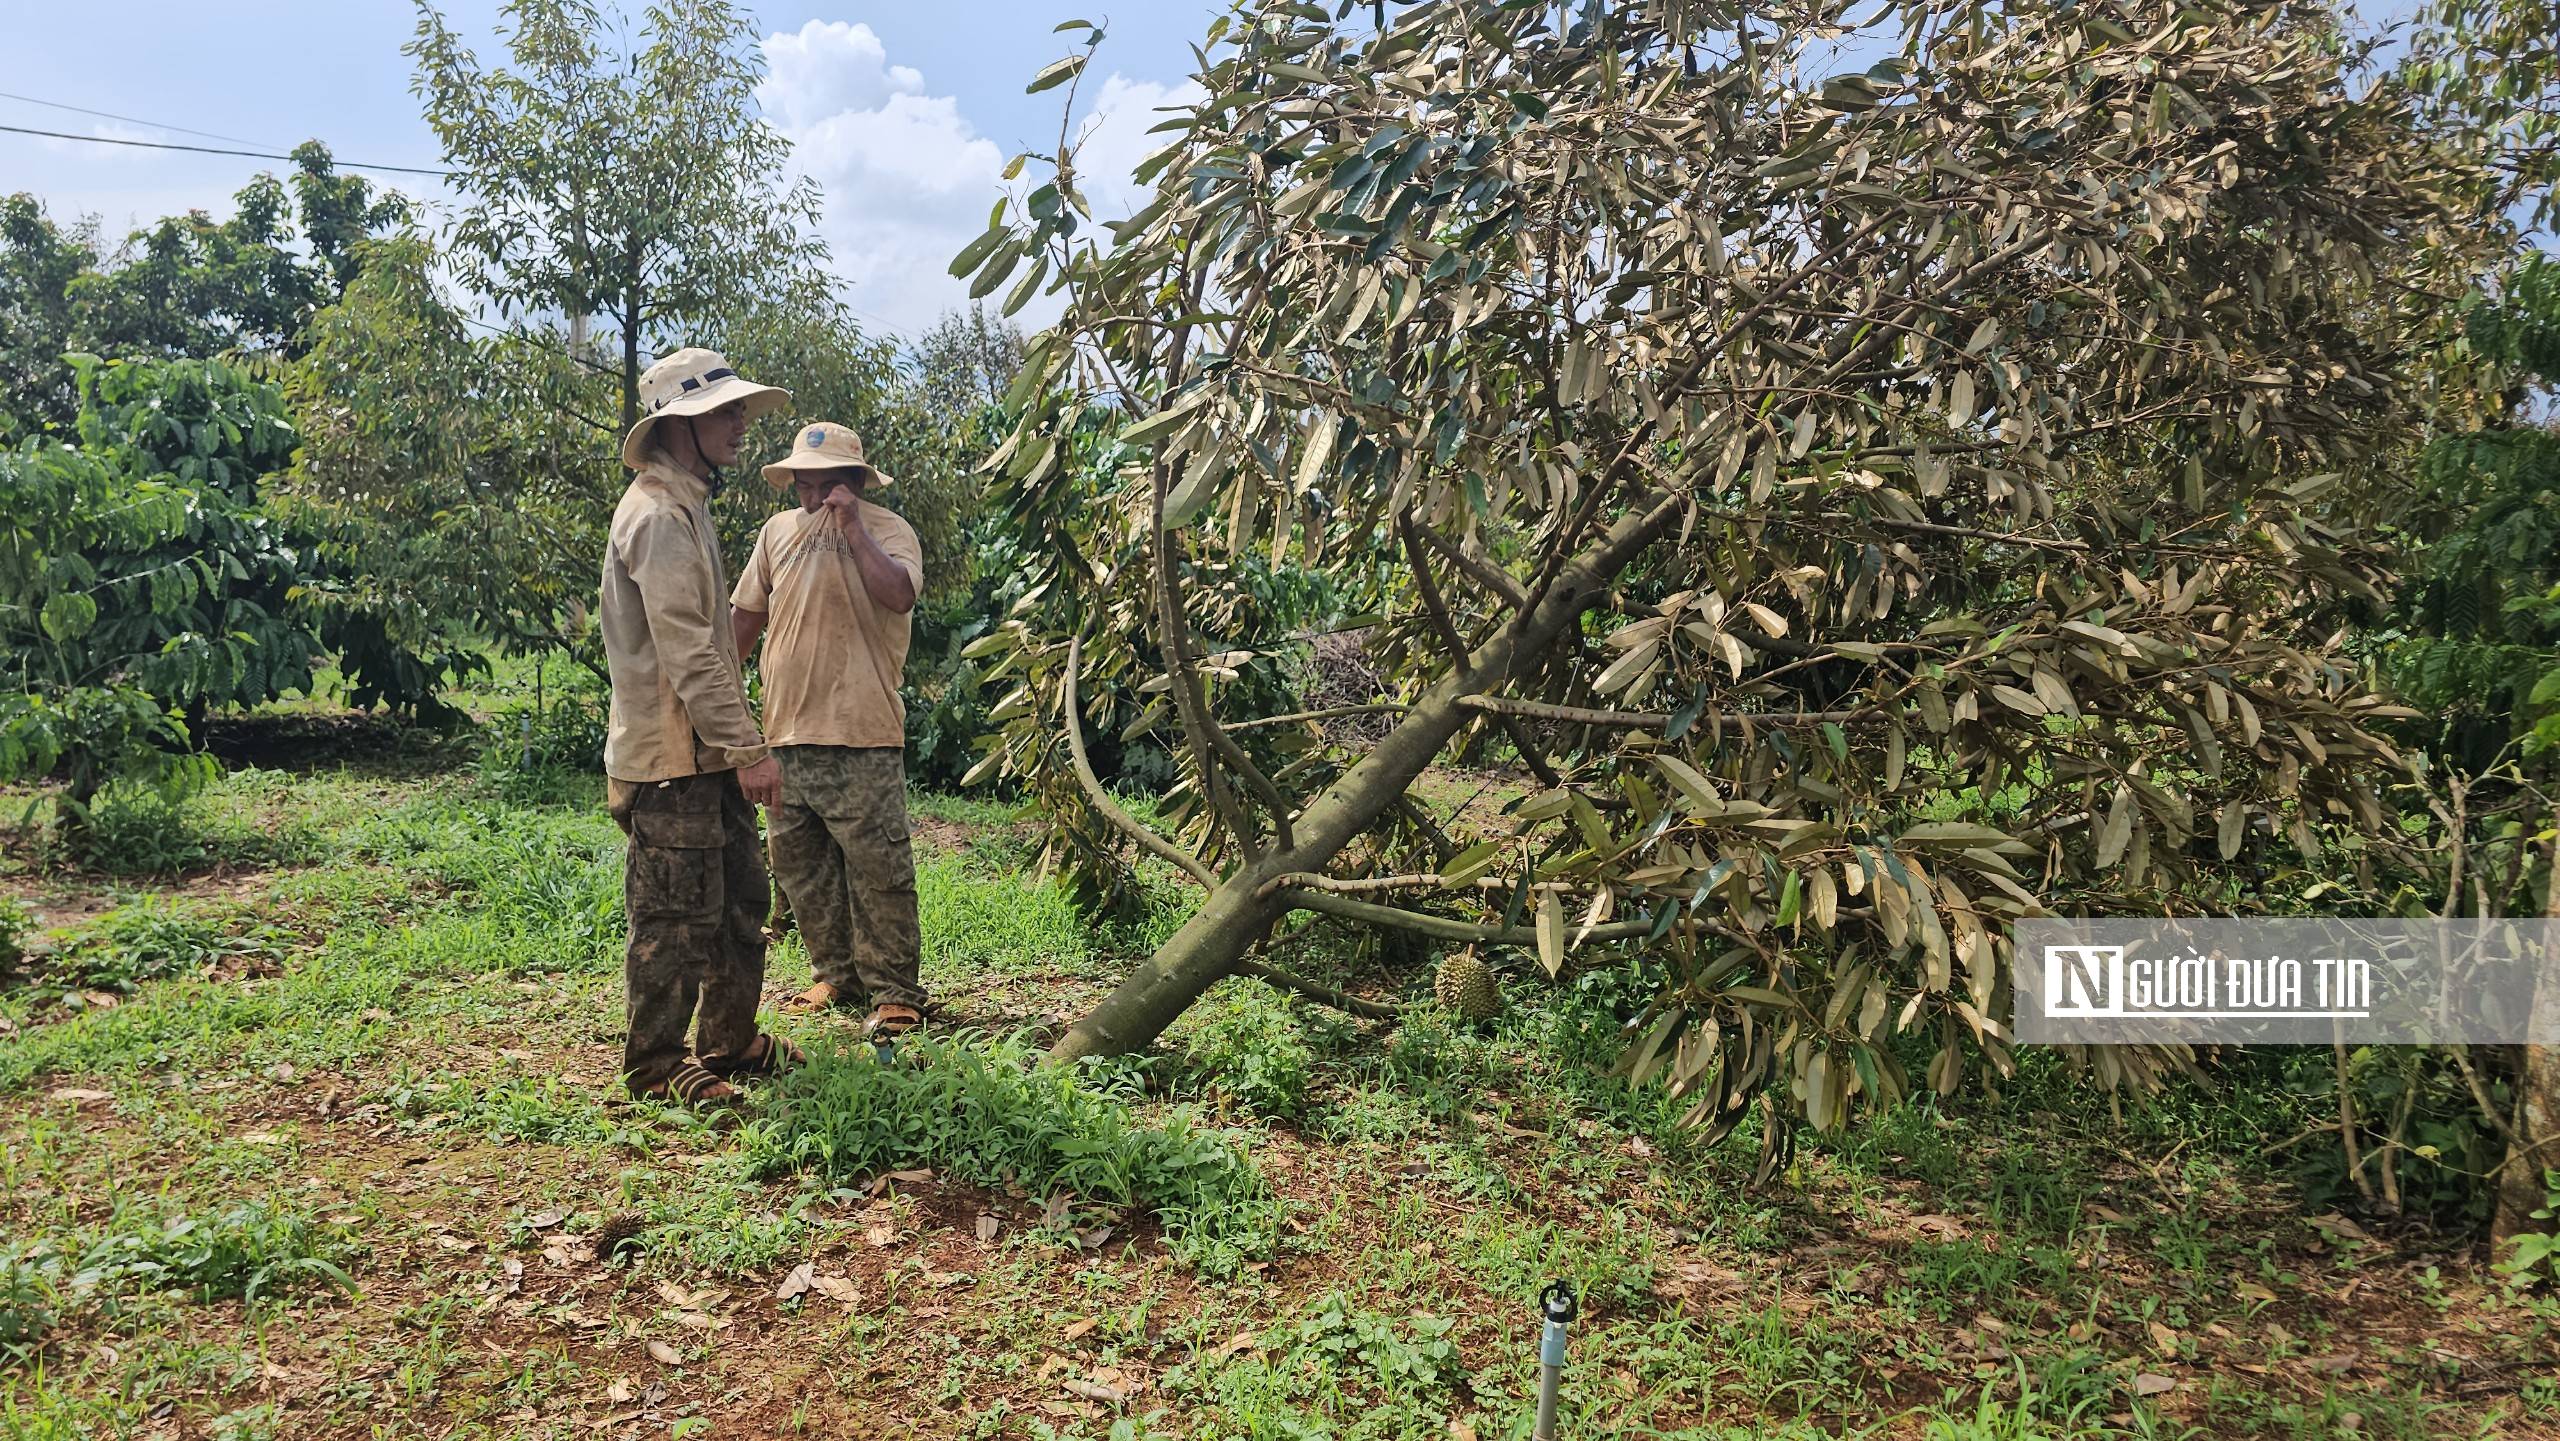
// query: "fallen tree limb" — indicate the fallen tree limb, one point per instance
point(1320, 994)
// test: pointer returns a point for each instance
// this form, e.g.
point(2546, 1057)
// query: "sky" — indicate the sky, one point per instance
point(905, 115)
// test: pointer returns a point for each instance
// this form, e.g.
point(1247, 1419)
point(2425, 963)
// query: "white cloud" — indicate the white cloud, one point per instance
point(1114, 139)
point(908, 180)
point(828, 68)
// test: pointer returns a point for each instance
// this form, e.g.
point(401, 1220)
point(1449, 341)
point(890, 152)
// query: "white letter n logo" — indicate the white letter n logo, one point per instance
point(2084, 980)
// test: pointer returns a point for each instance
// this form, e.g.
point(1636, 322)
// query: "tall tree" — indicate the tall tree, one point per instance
point(1876, 505)
point(627, 178)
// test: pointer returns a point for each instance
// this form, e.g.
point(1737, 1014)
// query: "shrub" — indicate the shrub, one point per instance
point(986, 1113)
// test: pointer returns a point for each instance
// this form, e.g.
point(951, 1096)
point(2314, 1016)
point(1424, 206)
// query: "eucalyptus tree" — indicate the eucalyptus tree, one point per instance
point(627, 177)
point(1876, 504)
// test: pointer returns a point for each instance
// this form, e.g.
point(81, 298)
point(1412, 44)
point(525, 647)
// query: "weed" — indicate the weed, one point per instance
point(987, 1113)
point(154, 939)
point(1249, 1045)
point(245, 1250)
point(976, 923)
point(28, 1306)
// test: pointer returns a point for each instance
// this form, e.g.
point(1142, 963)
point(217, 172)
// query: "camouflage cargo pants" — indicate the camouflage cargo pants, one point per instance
point(842, 853)
point(693, 884)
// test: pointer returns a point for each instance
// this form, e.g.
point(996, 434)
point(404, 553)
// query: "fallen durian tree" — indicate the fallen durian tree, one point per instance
point(1875, 504)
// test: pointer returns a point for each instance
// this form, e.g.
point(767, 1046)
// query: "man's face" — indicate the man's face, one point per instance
point(813, 485)
point(720, 432)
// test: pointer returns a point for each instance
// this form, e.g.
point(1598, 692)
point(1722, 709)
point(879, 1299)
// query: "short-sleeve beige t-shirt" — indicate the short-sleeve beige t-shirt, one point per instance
point(832, 658)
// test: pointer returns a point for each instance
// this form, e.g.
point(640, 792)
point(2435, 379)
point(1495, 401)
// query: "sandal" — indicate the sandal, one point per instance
point(694, 1085)
point(891, 1021)
point(821, 997)
point(766, 1055)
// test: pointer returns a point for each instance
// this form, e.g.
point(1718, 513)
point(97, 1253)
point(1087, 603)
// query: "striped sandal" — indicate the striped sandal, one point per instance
point(766, 1055)
point(695, 1086)
point(821, 997)
point(891, 1020)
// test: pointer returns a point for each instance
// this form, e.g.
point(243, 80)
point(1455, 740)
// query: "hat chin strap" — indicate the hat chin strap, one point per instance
point(715, 480)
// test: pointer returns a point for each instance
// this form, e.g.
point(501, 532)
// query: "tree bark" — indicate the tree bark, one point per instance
point(1236, 916)
point(2533, 1136)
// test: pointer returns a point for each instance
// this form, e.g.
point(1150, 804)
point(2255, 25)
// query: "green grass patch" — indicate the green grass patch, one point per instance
point(987, 1113)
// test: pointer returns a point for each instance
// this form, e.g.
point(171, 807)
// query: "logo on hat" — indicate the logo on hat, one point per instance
point(815, 438)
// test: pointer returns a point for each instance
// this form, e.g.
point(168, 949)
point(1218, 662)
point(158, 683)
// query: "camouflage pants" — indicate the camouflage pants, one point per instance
point(693, 885)
point(841, 851)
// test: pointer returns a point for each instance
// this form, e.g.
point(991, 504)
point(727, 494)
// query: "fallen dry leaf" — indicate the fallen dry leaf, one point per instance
point(910, 1178)
point(881, 1236)
point(2151, 1383)
point(2337, 1365)
point(1461, 1431)
point(76, 1095)
point(2164, 1338)
point(664, 1354)
point(799, 1281)
point(1084, 1327)
point(1092, 1240)
point(1241, 1341)
point(988, 1225)
point(620, 1391)
point(1095, 1391)
point(544, 1220)
point(2252, 1291)
point(835, 1288)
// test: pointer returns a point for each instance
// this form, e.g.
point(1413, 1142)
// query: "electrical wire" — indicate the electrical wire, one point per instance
point(127, 119)
point(210, 150)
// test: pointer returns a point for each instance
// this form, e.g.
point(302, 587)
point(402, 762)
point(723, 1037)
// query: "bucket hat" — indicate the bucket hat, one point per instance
point(823, 446)
point(692, 381)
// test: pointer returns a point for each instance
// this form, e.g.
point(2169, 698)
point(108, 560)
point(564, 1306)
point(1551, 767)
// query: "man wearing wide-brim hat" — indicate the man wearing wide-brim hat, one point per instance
point(836, 579)
point(684, 761)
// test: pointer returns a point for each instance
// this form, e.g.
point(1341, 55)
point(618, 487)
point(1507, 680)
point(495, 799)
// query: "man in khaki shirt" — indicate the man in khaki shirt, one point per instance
point(684, 763)
point(836, 579)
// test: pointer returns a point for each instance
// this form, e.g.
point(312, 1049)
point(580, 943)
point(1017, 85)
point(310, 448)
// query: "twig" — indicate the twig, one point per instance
point(1321, 994)
point(1328, 713)
point(1101, 799)
point(1442, 926)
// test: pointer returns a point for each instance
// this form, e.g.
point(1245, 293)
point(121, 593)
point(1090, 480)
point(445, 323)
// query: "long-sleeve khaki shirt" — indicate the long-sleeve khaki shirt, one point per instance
point(679, 693)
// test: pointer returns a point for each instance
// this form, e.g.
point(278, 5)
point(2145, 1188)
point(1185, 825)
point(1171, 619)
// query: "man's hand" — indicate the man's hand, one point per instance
point(762, 782)
point(845, 506)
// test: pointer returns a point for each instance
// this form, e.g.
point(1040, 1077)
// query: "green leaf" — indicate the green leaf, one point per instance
point(976, 251)
point(1059, 72)
point(1470, 863)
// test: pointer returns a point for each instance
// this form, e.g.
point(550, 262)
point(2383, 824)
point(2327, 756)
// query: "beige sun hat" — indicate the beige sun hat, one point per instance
point(823, 446)
point(692, 381)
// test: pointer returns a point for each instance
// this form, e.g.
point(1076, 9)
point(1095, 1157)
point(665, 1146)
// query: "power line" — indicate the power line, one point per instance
point(210, 150)
point(127, 119)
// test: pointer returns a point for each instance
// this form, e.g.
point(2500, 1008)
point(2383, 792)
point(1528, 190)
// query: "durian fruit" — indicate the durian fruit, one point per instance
point(1465, 984)
point(620, 1233)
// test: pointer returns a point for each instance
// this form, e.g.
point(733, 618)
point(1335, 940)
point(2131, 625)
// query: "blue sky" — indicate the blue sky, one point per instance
point(904, 115)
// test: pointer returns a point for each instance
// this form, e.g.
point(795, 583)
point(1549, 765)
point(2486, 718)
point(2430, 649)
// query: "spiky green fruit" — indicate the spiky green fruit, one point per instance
point(1465, 984)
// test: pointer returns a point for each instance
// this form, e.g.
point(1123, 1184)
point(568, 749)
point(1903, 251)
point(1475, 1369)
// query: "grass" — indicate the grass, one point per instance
point(320, 1139)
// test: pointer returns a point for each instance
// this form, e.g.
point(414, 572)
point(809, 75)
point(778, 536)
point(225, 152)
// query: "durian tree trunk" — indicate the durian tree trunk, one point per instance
point(1238, 913)
point(2533, 1143)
